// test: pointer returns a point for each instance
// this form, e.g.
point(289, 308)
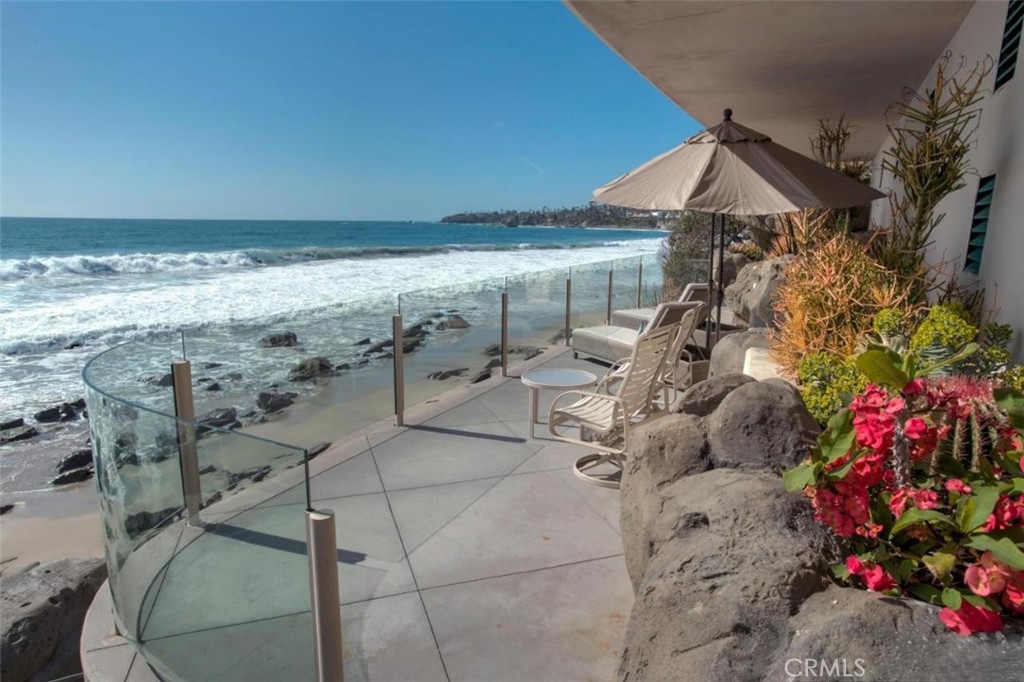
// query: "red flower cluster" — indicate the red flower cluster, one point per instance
point(908, 455)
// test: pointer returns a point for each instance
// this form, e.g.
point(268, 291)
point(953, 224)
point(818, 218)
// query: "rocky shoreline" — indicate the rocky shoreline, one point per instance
point(65, 424)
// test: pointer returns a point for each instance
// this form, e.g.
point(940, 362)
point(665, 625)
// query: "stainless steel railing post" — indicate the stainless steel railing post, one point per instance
point(568, 309)
point(640, 285)
point(398, 351)
point(324, 596)
point(608, 315)
point(188, 455)
point(504, 333)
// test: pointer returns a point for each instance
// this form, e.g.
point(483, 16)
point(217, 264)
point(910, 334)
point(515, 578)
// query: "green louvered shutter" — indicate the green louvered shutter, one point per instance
point(979, 224)
point(1011, 42)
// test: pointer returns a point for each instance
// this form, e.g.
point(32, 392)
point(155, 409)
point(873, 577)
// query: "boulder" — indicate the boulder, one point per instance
point(11, 423)
point(453, 322)
point(892, 639)
point(211, 365)
point(232, 376)
point(75, 460)
point(729, 351)
point(310, 368)
point(752, 296)
point(732, 264)
point(362, 342)
point(41, 612)
point(163, 380)
point(379, 347)
point(724, 563)
point(528, 352)
point(224, 417)
point(73, 476)
point(762, 425)
point(4, 508)
point(140, 522)
point(17, 433)
point(212, 387)
point(57, 413)
point(703, 397)
point(417, 330)
point(273, 401)
point(411, 343)
point(448, 373)
point(280, 340)
point(482, 375)
point(256, 474)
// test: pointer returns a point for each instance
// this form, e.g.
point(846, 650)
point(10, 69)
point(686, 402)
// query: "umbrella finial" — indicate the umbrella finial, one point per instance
point(728, 114)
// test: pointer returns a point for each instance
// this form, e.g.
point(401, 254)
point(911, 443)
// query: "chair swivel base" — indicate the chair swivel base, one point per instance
point(584, 467)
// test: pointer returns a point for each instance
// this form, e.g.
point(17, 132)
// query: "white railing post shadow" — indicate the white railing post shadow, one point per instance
point(188, 456)
point(398, 351)
point(324, 596)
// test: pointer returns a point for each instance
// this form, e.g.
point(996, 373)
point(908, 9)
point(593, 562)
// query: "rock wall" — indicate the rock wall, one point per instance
point(41, 615)
point(729, 568)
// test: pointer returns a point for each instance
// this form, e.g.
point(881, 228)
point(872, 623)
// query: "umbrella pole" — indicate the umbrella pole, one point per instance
point(711, 287)
point(721, 277)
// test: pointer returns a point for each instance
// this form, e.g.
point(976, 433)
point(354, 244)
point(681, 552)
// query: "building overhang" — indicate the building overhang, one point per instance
point(781, 66)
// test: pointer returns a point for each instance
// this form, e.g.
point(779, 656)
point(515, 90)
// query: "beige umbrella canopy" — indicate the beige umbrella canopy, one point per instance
point(730, 169)
point(734, 170)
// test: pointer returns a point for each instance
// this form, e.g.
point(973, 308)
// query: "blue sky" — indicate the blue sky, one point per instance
point(320, 110)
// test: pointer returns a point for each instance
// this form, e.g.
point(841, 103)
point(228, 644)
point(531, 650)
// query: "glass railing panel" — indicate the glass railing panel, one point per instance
point(653, 285)
point(536, 310)
point(138, 372)
point(625, 283)
point(451, 335)
point(589, 294)
point(237, 570)
point(305, 378)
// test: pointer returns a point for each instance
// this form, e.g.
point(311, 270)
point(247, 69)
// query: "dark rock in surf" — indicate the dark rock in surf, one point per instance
point(280, 340)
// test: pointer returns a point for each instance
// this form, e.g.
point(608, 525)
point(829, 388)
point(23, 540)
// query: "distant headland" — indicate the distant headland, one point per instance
point(594, 215)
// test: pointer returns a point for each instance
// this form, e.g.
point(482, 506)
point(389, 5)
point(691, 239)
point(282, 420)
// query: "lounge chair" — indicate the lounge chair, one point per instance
point(620, 400)
point(612, 342)
point(636, 318)
point(679, 367)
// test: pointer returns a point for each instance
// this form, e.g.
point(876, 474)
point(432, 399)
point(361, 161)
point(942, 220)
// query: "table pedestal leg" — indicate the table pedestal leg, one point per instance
point(533, 409)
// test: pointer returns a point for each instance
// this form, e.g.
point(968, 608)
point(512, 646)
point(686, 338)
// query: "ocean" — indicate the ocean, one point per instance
point(70, 288)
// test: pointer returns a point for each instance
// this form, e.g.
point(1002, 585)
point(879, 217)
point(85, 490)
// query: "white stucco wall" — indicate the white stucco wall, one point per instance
point(998, 149)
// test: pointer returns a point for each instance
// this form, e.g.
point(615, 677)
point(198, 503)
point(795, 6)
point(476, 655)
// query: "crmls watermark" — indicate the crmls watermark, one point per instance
point(837, 668)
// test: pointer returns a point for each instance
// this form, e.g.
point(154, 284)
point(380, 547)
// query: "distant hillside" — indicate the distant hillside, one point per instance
point(594, 215)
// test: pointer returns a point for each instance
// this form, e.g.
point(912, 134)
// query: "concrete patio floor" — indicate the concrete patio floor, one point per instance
point(467, 552)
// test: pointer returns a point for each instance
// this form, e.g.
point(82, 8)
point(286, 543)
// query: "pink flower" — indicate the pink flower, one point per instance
point(878, 580)
point(915, 428)
point(896, 405)
point(1005, 515)
point(1013, 595)
point(913, 387)
point(984, 582)
point(854, 565)
point(899, 501)
point(957, 486)
point(969, 619)
point(925, 499)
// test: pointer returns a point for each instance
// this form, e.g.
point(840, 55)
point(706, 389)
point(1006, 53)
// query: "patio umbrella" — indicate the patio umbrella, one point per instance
point(730, 169)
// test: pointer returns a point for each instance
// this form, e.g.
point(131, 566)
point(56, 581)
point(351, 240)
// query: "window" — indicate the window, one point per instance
point(1011, 42)
point(979, 224)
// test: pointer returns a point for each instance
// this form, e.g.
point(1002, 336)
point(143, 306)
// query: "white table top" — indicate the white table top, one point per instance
point(556, 377)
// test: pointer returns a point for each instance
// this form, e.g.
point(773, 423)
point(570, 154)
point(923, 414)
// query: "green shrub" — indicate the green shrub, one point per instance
point(827, 382)
point(1013, 378)
point(944, 331)
point(889, 322)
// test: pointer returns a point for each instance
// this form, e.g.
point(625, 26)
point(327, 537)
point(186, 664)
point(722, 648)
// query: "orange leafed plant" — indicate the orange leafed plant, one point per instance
point(829, 298)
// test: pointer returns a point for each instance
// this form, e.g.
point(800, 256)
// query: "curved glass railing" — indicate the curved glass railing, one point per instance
point(240, 562)
point(234, 569)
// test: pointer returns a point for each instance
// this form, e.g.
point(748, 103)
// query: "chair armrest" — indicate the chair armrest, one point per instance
point(620, 407)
